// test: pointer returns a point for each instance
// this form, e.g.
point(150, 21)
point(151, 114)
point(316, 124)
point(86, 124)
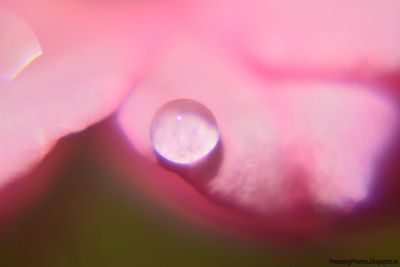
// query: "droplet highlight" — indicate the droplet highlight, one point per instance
point(19, 46)
point(184, 131)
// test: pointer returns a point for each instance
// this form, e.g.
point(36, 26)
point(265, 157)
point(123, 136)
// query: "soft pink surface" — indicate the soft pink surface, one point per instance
point(307, 35)
point(92, 57)
point(290, 141)
point(286, 144)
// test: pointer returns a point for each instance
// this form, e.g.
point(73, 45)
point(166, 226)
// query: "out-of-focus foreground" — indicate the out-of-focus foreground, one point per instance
point(89, 218)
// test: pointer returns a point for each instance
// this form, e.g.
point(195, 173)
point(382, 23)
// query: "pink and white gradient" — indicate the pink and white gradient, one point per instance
point(299, 133)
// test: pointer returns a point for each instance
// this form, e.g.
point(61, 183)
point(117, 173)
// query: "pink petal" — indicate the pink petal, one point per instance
point(288, 145)
point(307, 35)
point(93, 56)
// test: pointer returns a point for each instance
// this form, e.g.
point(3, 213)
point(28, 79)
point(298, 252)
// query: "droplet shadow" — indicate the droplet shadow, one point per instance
point(200, 172)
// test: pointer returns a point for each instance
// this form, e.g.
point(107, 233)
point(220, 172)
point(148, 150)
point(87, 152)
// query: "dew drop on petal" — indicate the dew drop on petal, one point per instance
point(184, 131)
point(19, 46)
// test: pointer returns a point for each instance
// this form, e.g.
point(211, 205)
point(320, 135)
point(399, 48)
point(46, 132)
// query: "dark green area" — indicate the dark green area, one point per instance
point(88, 219)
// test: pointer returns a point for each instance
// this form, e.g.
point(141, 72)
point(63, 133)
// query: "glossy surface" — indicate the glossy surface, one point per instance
point(19, 46)
point(184, 131)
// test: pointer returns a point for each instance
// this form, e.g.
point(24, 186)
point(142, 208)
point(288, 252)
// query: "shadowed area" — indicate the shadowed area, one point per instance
point(89, 219)
point(200, 172)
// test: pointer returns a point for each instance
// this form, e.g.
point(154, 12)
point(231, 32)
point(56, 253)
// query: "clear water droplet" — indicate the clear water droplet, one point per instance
point(19, 46)
point(184, 131)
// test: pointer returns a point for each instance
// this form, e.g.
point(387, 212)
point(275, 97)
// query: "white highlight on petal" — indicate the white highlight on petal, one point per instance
point(19, 46)
point(344, 131)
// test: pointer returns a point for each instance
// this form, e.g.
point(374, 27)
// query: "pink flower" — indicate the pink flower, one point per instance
point(304, 112)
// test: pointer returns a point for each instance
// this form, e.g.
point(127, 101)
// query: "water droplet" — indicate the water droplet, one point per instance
point(19, 46)
point(184, 131)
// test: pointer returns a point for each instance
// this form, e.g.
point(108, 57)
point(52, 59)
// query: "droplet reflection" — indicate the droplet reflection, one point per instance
point(19, 46)
point(184, 131)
